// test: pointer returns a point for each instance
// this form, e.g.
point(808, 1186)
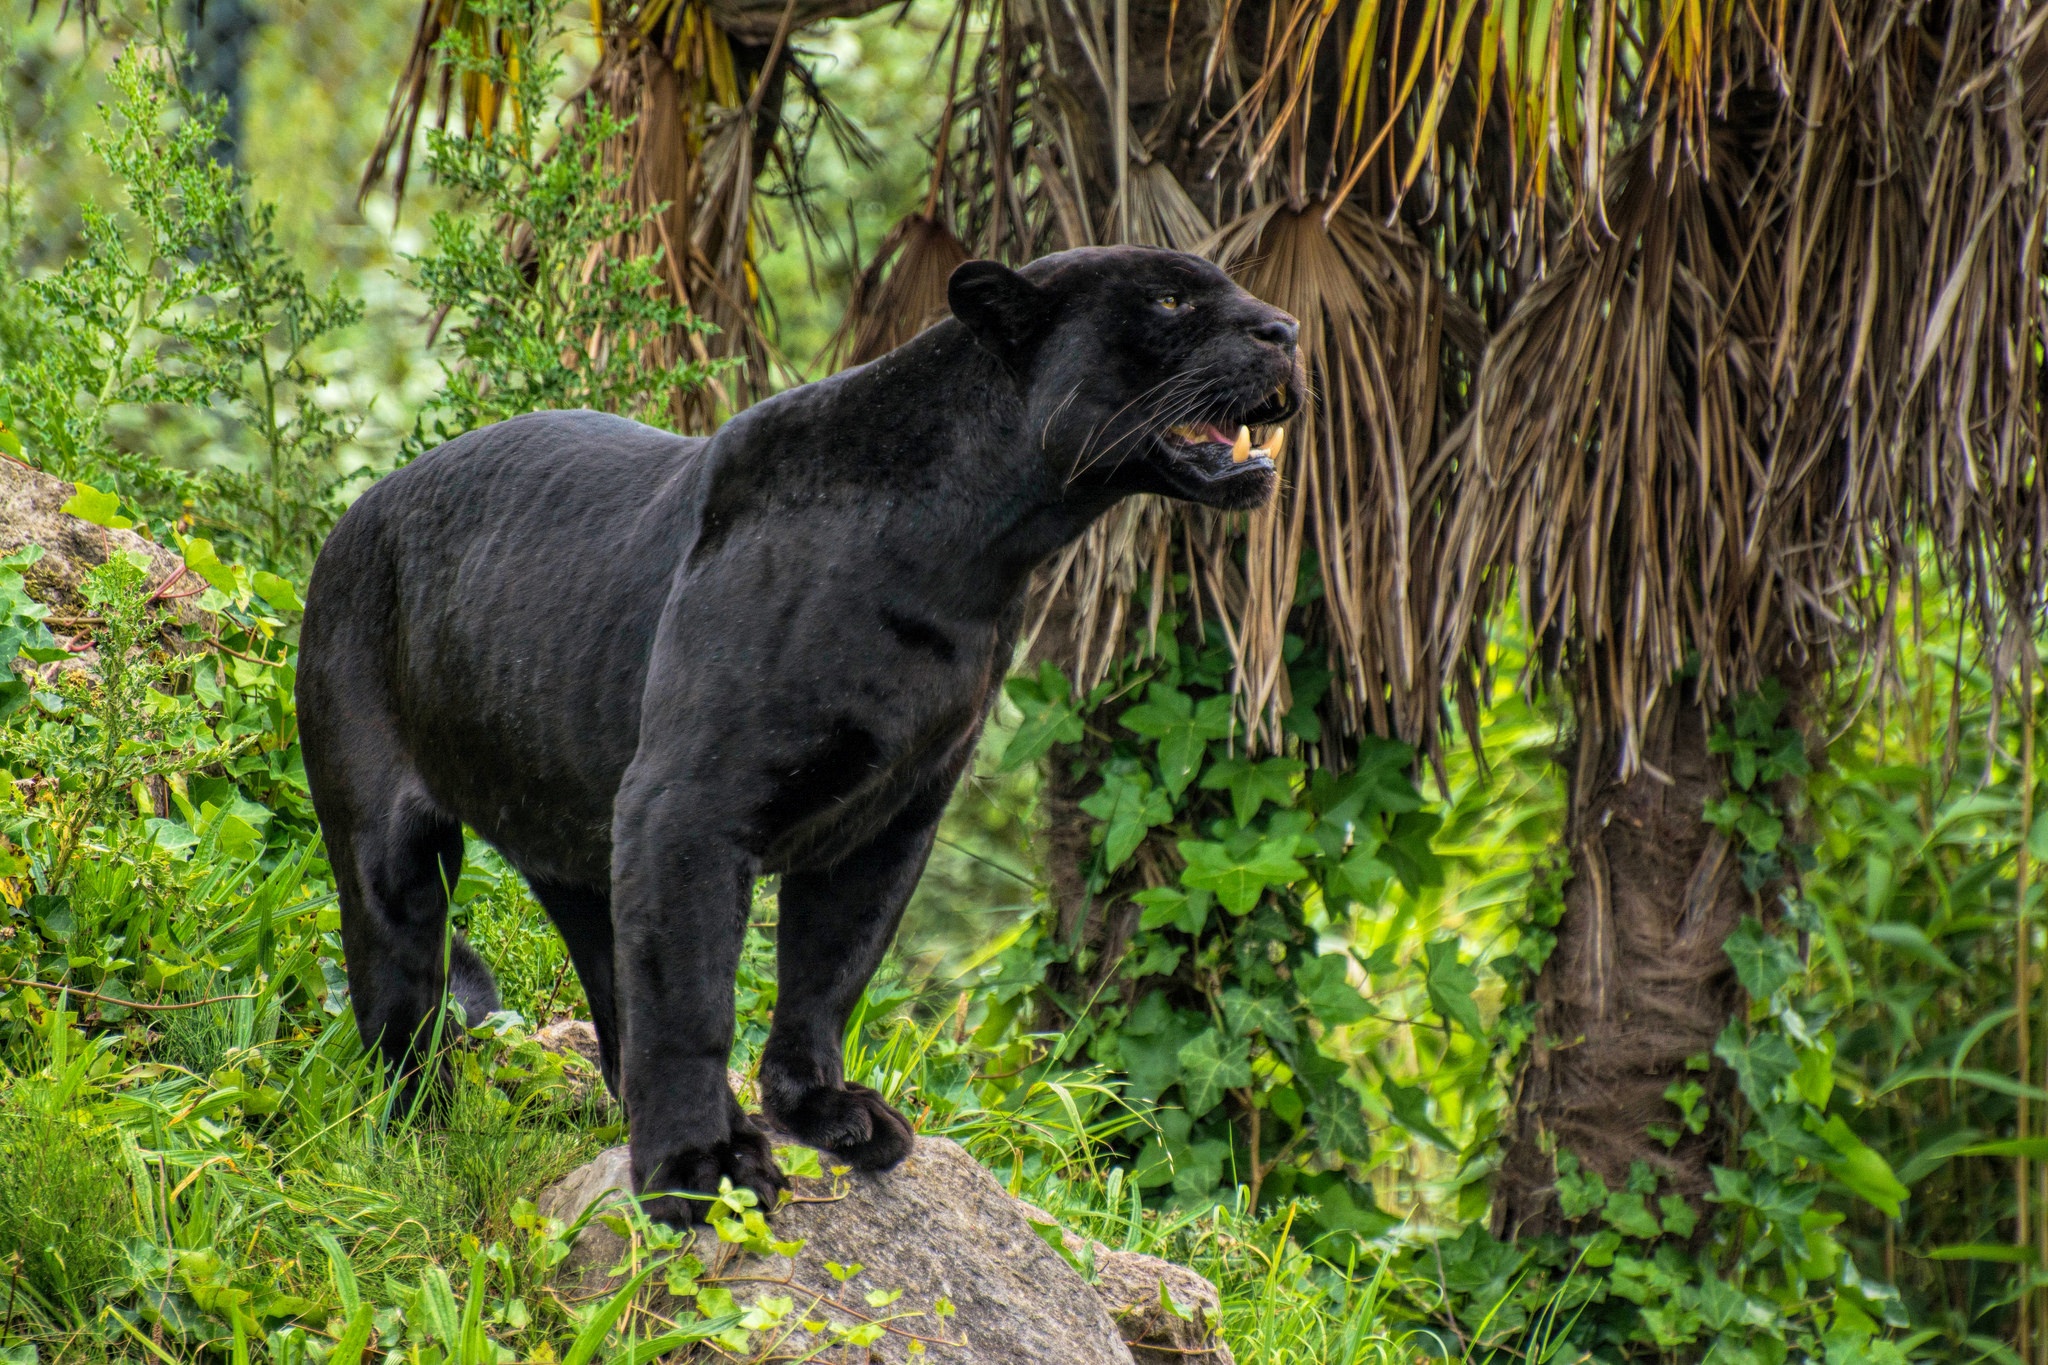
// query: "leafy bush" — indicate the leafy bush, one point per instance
point(182, 300)
point(541, 316)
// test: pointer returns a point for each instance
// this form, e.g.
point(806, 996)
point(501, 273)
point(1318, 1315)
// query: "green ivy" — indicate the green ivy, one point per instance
point(1229, 1007)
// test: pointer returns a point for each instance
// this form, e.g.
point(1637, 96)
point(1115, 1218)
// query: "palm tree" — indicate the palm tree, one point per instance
point(1678, 330)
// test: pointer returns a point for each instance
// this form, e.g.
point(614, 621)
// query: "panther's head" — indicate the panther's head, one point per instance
point(1143, 371)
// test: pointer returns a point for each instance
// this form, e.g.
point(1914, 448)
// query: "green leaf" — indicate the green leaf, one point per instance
point(1342, 1132)
point(2037, 838)
point(1184, 910)
point(354, 1337)
point(1049, 716)
point(1867, 1175)
point(2033, 1148)
point(599, 1324)
point(1982, 1251)
point(1251, 784)
point(1150, 1045)
point(1211, 1064)
point(1451, 986)
point(1758, 1063)
point(1048, 1233)
point(1362, 877)
point(654, 1348)
point(1680, 1218)
point(1763, 963)
point(1411, 1110)
point(1182, 729)
point(1248, 1014)
point(201, 559)
point(101, 509)
point(1911, 940)
point(1127, 805)
point(277, 591)
point(1325, 986)
point(1780, 1142)
point(1239, 882)
point(1626, 1212)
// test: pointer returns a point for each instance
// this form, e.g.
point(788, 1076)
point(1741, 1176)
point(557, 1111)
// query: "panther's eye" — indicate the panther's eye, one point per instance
point(1172, 303)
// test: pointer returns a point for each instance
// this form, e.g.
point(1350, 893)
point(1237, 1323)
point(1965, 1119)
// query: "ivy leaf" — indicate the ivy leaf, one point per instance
point(1210, 1065)
point(1407, 850)
point(1763, 962)
point(1411, 1110)
point(1758, 1063)
point(1251, 784)
point(1127, 805)
point(1361, 877)
point(1341, 1129)
point(1150, 1045)
point(1182, 729)
point(1451, 984)
point(1628, 1215)
point(1325, 986)
point(1184, 910)
point(1867, 1175)
point(101, 509)
point(1780, 1142)
point(1239, 881)
point(1248, 1014)
point(1049, 716)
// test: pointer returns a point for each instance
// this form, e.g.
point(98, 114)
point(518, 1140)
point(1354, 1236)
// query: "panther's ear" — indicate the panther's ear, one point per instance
point(1006, 312)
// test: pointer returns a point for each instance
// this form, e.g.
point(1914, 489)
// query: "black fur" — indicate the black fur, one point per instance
point(651, 668)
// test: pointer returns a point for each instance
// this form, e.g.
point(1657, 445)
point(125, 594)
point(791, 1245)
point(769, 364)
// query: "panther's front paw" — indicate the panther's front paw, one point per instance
point(851, 1122)
point(745, 1158)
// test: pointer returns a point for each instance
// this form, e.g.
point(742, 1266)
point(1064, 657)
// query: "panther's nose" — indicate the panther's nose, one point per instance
point(1276, 330)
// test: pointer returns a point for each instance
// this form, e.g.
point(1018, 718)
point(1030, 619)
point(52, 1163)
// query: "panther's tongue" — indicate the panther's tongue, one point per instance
point(1199, 433)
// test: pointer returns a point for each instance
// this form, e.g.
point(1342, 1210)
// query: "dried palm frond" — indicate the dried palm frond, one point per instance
point(698, 83)
point(1161, 213)
point(1355, 482)
point(1693, 439)
point(1610, 465)
point(900, 293)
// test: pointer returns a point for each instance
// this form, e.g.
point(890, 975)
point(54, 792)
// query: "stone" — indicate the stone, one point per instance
point(31, 504)
point(576, 1039)
point(939, 1225)
point(1129, 1284)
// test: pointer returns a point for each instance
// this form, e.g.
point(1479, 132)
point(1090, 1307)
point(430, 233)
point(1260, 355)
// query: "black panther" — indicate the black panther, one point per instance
point(651, 668)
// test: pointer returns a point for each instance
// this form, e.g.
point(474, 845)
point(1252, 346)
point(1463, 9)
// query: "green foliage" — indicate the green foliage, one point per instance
point(1231, 1010)
point(182, 298)
point(539, 314)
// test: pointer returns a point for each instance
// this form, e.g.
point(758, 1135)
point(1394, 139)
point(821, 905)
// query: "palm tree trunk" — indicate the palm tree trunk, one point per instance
point(1638, 983)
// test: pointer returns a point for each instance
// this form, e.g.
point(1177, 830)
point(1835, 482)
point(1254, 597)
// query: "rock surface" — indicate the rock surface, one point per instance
point(939, 1225)
point(30, 512)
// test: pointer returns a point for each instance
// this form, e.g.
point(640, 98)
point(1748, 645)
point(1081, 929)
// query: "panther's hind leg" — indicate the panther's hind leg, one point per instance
point(395, 858)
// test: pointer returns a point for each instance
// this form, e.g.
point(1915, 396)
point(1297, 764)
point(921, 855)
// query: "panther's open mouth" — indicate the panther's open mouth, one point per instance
point(1204, 437)
point(1249, 438)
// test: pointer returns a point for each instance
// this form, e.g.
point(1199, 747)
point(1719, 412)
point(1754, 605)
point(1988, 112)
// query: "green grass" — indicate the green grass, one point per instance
point(229, 1181)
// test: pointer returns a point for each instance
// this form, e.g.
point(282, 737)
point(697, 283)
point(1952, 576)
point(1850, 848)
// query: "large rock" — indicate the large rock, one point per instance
point(31, 512)
point(939, 1225)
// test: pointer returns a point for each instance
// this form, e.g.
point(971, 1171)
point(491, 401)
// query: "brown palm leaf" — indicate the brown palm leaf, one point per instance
point(900, 293)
